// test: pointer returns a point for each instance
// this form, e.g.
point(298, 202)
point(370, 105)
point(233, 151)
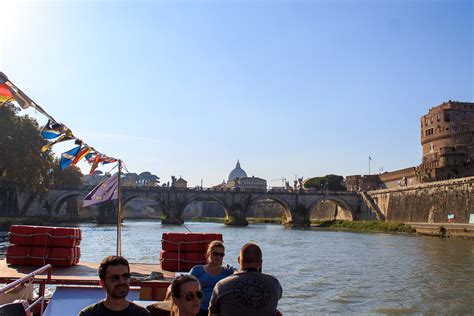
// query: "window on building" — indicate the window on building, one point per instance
point(446, 117)
point(431, 147)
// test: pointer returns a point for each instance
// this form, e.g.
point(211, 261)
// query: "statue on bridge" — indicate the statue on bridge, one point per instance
point(300, 181)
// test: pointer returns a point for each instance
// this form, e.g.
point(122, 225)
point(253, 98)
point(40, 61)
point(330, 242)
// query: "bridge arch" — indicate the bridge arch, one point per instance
point(280, 201)
point(156, 205)
point(342, 206)
point(59, 201)
point(208, 198)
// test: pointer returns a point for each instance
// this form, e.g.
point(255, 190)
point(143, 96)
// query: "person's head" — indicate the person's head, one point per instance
point(215, 252)
point(250, 256)
point(186, 294)
point(114, 274)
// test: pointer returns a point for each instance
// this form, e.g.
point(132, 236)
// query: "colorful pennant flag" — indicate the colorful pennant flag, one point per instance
point(67, 136)
point(21, 98)
point(52, 130)
point(98, 158)
point(82, 153)
point(68, 156)
point(105, 191)
point(5, 94)
point(109, 160)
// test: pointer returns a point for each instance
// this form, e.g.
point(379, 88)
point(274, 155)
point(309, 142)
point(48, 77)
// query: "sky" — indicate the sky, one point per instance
point(290, 88)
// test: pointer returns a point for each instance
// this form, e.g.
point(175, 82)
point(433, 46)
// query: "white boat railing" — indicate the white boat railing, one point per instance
point(29, 278)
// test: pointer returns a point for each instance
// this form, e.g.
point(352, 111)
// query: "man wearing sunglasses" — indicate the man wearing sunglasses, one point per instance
point(114, 274)
point(248, 292)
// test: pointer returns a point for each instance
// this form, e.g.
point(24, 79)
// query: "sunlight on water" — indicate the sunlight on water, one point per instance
point(324, 271)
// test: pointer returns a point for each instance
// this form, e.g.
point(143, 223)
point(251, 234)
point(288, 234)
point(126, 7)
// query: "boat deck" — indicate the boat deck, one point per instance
point(86, 273)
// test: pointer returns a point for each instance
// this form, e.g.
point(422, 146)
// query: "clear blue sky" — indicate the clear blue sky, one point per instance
point(288, 87)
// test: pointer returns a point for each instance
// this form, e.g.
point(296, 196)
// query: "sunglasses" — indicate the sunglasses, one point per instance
point(190, 296)
point(218, 254)
point(116, 277)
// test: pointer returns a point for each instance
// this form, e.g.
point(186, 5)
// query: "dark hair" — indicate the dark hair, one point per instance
point(250, 253)
point(179, 281)
point(111, 261)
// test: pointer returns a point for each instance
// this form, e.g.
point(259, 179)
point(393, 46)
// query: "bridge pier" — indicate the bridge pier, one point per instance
point(300, 217)
point(107, 213)
point(236, 216)
point(173, 216)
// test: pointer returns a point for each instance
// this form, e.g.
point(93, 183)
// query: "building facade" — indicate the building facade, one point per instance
point(447, 140)
point(238, 179)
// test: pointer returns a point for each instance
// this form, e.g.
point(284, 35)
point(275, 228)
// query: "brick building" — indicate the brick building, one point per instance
point(447, 139)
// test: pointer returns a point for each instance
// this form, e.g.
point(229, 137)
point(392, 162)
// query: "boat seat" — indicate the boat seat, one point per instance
point(12, 309)
point(70, 300)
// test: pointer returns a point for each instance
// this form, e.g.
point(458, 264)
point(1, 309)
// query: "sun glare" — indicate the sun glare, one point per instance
point(16, 24)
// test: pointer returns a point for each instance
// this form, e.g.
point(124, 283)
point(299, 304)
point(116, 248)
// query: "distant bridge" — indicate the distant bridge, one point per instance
point(297, 205)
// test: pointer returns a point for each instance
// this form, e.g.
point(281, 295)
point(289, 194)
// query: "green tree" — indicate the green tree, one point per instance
point(330, 182)
point(70, 178)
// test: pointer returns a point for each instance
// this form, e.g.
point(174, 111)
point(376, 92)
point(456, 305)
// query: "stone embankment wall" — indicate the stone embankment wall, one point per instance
point(429, 203)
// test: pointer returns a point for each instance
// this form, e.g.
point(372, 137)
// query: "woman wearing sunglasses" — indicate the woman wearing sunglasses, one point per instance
point(185, 296)
point(211, 273)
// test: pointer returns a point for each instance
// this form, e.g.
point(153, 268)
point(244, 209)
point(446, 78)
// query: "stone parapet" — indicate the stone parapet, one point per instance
point(431, 202)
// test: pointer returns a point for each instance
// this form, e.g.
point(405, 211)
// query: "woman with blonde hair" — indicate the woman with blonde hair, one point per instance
point(211, 273)
point(183, 298)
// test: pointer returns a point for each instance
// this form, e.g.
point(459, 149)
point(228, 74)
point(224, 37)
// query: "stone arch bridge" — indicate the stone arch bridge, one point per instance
point(297, 205)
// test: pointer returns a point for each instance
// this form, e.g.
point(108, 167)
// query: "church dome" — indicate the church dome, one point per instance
point(237, 172)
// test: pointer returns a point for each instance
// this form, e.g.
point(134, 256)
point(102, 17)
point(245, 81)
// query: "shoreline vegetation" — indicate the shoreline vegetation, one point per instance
point(365, 226)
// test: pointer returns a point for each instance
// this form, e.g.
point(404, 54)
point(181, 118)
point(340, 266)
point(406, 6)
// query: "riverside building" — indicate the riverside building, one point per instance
point(447, 140)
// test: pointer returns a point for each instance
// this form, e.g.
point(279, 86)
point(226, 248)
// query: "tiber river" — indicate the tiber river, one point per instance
point(328, 271)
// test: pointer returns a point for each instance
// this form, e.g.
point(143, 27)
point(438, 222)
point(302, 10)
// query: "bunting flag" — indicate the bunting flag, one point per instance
point(82, 153)
point(52, 130)
point(5, 94)
point(3, 78)
point(67, 136)
point(98, 158)
point(105, 191)
point(21, 98)
point(109, 160)
point(68, 156)
point(90, 157)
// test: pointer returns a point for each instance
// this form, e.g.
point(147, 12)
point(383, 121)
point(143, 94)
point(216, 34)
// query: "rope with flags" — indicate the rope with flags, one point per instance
point(54, 131)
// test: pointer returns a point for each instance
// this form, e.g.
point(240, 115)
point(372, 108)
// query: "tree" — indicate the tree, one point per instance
point(21, 161)
point(147, 179)
point(70, 178)
point(330, 182)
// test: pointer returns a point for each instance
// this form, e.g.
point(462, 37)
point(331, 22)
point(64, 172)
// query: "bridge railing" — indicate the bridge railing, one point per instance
point(249, 190)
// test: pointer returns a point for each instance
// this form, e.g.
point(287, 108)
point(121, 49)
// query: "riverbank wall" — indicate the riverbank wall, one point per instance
point(444, 230)
point(450, 201)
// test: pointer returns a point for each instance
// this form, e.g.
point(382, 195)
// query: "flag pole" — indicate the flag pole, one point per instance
point(369, 164)
point(119, 211)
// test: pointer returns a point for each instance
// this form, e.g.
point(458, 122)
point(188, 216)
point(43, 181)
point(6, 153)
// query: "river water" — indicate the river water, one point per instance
point(327, 271)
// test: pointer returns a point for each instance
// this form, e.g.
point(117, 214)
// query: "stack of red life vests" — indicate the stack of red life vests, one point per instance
point(40, 245)
point(182, 251)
